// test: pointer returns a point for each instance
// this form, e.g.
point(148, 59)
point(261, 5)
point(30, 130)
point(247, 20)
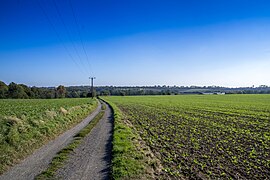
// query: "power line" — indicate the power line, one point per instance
point(80, 35)
point(68, 33)
point(58, 36)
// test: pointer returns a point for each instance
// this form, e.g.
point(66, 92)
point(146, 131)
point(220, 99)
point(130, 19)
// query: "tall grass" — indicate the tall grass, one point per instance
point(25, 125)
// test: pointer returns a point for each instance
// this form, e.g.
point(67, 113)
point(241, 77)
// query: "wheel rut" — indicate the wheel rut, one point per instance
point(92, 158)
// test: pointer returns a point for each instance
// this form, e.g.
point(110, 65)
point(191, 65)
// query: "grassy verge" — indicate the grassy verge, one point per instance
point(25, 125)
point(62, 156)
point(128, 161)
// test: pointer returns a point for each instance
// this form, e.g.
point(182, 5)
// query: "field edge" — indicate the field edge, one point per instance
point(131, 157)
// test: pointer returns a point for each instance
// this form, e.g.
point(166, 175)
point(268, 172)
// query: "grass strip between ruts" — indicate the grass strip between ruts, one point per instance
point(59, 160)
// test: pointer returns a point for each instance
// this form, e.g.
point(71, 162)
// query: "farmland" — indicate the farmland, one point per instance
point(204, 136)
point(27, 124)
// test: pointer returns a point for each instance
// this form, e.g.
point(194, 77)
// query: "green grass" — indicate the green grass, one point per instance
point(25, 125)
point(200, 136)
point(103, 106)
point(63, 155)
point(128, 162)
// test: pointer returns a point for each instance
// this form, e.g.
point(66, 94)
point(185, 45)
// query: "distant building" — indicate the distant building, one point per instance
point(207, 93)
point(220, 93)
point(214, 93)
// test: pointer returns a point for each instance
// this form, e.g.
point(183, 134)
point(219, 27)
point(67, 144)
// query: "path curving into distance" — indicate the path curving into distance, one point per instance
point(41, 158)
point(92, 158)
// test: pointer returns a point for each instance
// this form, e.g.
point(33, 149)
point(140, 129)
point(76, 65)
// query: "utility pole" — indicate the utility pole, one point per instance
point(92, 86)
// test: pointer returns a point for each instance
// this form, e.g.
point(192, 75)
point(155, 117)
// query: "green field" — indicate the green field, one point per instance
point(204, 136)
point(27, 124)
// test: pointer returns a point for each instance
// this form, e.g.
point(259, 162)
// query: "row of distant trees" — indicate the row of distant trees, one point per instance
point(21, 91)
point(134, 92)
point(174, 90)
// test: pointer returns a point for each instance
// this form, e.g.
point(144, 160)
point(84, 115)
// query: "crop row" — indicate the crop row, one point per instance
point(205, 137)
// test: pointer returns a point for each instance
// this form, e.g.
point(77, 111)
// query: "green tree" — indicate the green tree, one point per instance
point(16, 91)
point(36, 92)
point(61, 92)
point(27, 90)
point(75, 94)
point(72, 94)
point(105, 93)
point(84, 94)
point(3, 90)
point(92, 95)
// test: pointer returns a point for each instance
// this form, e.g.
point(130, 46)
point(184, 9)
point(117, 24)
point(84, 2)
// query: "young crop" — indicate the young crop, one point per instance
point(204, 137)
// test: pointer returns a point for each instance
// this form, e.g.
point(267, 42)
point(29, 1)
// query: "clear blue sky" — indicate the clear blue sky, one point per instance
point(135, 42)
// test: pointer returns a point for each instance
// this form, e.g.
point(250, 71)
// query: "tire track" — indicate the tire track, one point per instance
point(92, 158)
point(41, 158)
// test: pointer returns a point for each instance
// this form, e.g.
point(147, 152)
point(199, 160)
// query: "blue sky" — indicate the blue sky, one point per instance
point(142, 42)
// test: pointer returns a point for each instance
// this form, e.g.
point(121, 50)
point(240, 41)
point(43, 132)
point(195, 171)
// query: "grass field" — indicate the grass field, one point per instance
point(204, 136)
point(27, 124)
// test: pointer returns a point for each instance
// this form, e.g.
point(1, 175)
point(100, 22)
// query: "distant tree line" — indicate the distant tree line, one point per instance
point(174, 90)
point(133, 91)
point(21, 91)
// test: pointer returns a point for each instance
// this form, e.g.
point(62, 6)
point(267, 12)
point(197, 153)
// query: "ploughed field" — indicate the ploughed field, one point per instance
point(204, 136)
point(26, 124)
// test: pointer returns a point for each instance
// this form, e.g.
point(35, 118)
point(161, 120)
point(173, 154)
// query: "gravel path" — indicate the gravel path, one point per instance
point(91, 159)
point(40, 159)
